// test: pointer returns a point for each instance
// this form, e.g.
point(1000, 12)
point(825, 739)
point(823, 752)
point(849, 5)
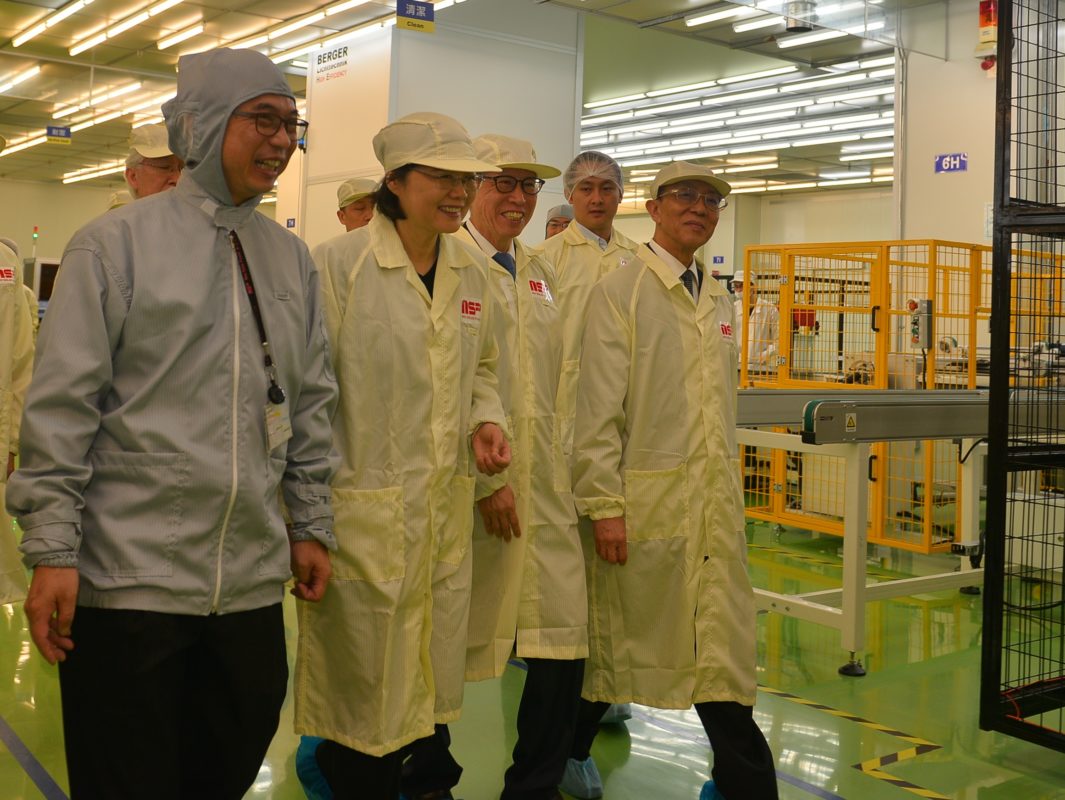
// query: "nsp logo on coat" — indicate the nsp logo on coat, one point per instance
point(7, 275)
point(726, 329)
point(541, 289)
point(471, 310)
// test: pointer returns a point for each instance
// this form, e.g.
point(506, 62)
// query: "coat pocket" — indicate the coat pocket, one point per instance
point(134, 505)
point(371, 534)
point(656, 503)
point(566, 404)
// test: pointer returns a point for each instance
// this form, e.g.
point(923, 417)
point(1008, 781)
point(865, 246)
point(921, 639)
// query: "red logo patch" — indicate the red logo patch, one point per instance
point(726, 329)
point(540, 289)
point(471, 310)
point(7, 274)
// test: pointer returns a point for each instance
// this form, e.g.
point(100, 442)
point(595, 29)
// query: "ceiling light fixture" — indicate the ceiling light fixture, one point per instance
point(123, 26)
point(345, 6)
point(736, 12)
point(689, 87)
point(629, 98)
point(757, 24)
point(93, 100)
point(180, 36)
point(290, 27)
point(48, 22)
point(23, 144)
point(14, 80)
point(753, 76)
point(736, 97)
point(867, 156)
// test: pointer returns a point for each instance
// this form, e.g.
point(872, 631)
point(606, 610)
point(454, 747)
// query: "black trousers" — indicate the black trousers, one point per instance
point(547, 720)
point(171, 706)
point(357, 776)
point(744, 767)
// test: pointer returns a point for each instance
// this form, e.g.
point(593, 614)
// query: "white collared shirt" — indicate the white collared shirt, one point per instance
point(675, 265)
point(486, 246)
point(592, 236)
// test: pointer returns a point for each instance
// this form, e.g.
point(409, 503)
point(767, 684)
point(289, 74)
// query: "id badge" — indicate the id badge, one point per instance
point(278, 426)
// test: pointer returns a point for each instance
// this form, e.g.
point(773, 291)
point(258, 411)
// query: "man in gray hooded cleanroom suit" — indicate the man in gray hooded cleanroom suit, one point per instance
point(182, 377)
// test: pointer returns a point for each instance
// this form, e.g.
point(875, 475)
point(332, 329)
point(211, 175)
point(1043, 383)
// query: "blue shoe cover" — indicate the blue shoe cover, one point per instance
point(311, 778)
point(616, 714)
point(710, 792)
point(581, 779)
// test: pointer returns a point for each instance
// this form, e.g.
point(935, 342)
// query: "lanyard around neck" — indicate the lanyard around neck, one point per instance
point(275, 394)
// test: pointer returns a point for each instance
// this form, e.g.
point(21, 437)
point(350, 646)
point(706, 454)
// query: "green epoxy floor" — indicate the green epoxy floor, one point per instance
point(923, 661)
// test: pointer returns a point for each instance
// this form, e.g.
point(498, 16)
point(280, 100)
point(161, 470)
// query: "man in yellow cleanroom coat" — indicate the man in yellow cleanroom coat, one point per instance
point(671, 609)
point(583, 253)
point(16, 364)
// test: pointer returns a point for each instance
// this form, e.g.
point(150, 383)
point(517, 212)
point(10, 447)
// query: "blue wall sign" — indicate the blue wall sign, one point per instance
point(952, 162)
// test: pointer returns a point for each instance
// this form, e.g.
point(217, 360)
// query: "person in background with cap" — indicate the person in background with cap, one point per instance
point(16, 366)
point(671, 607)
point(410, 321)
point(118, 199)
point(558, 219)
point(182, 383)
point(355, 202)
point(528, 568)
point(762, 328)
point(150, 166)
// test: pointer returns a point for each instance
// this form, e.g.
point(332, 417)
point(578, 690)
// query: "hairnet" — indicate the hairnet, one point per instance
point(591, 164)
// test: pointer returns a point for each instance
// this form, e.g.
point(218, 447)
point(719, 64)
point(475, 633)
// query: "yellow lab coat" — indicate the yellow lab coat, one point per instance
point(579, 264)
point(531, 589)
point(655, 443)
point(16, 366)
point(382, 657)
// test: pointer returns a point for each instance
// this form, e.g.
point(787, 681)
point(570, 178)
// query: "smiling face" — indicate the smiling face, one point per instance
point(595, 204)
point(683, 228)
point(356, 214)
point(252, 162)
point(502, 216)
point(433, 200)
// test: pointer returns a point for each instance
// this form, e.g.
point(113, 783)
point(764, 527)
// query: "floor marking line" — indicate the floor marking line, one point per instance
point(29, 763)
point(872, 766)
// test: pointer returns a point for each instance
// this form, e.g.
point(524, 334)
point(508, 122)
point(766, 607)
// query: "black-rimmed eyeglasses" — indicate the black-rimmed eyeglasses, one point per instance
point(268, 123)
point(505, 184)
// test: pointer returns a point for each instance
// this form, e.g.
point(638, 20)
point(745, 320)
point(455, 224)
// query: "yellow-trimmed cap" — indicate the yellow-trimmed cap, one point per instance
point(355, 189)
point(429, 139)
point(507, 152)
point(151, 141)
point(685, 171)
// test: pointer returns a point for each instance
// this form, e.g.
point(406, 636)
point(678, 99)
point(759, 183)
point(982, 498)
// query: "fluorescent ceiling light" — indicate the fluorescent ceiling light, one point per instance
point(643, 126)
point(642, 179)
point(346, 6)
point(882, 73)
point(48, 22)
point(98, 174)
point(699, 154)
point(700, 126)
point(775, 107)
point(122, 26)
point(883, 170)
point(629, 98)
point(14, 80)
point(97, 168)
point(819, 83)
point(295, 52)
point(791, 128)
point(753, 148)
point(746, 184)
point(785, 186)
point(307, 21)
point(23, 145)
point(690, 87)
point(877, 62)
point(809, 38)
point(588, 121)
point(843, 98)
point(752, 167)
point(88, 43)
point(180, 36)
point(268, 200)
point(843, 137)
point(751, 160)
point(879, 134)
point(736, 12)
point(255, 41)
point(93, 100)
point(636, 162)
point(736, 97)
point(753, 76)
point(762, 117)
point(867, 156)
point(655, 110)
point(863, 148)
point(845, 182)
point(857, 173)
point(146, 121)
point(756, 24)
point(884, 179)
point(750, 190)
point(718, 115)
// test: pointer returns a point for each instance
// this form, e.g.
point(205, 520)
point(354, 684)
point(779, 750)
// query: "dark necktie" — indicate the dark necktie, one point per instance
point(688, 279)
point(506, 261)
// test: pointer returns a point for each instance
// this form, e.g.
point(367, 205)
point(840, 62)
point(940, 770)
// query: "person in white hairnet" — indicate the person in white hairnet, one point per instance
point(410, 319)
point(151, 167)
point(182, 383)
point(528, 569)
point(762, 328)
point(584, 252)
point(558, 219)
point(355, 201)
point(120, 198)
point(657, 485)
point(16, 366)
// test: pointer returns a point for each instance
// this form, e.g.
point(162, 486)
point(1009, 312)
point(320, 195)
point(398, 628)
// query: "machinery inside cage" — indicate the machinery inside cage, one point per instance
point(1023, 667)
point(907, 315)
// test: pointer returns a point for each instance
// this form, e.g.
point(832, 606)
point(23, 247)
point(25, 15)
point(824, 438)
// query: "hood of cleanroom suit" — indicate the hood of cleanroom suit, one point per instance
point(210, 87)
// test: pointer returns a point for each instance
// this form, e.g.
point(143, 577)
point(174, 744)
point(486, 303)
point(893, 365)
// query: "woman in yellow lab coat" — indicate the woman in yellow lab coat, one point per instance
point(409, 317)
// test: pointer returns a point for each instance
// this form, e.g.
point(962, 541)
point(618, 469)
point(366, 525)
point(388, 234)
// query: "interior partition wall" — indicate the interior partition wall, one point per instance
point(1023, 670)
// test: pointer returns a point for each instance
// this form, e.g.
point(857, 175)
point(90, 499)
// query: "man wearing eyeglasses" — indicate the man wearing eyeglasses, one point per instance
point(150, 166)
point(182, 382)
point(671, 608)
point(528, 568)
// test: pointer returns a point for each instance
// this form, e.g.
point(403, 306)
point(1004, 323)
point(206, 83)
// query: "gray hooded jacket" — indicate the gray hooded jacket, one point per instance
point(145, 458)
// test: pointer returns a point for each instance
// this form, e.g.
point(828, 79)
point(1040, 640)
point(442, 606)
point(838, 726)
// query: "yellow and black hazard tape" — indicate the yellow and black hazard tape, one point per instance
point(873, 766)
